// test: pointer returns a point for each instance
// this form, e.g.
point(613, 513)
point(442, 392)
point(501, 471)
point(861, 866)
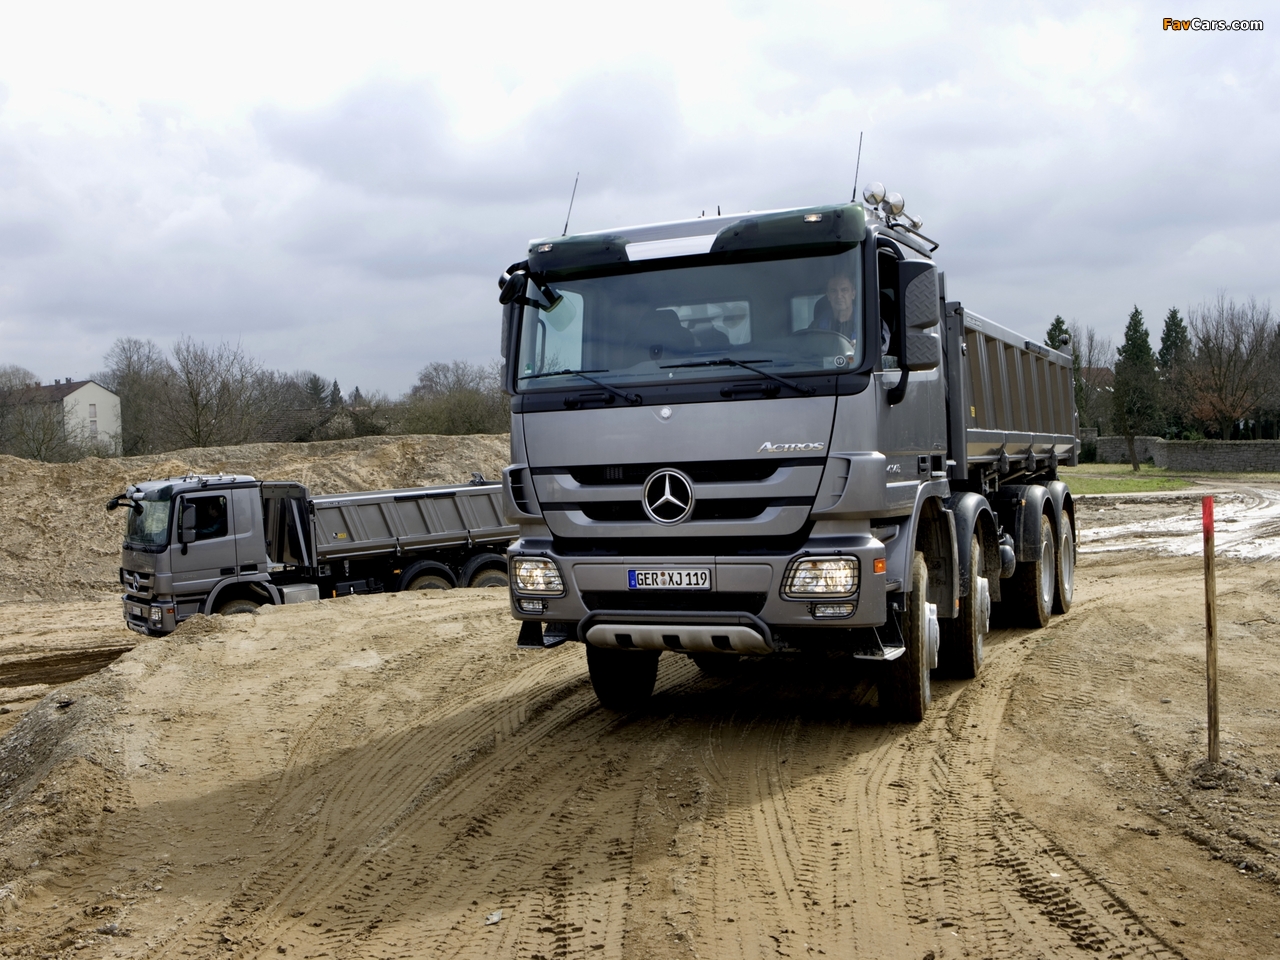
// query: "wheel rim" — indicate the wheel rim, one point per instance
point(1046, 572)
point(1068, 562)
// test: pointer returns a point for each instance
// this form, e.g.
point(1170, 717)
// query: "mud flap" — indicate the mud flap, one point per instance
point(532, 637)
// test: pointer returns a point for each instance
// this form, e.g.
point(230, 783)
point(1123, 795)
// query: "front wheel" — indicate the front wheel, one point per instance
point(232, 607)
point(622, 679)
point(907, 682)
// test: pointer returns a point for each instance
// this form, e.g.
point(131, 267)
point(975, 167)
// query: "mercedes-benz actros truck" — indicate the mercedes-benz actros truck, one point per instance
point(771, 433)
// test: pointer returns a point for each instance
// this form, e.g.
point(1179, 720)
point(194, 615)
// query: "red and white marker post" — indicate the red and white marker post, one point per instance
point(1210, 627)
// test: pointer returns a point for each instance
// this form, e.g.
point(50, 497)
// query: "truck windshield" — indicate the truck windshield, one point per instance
point(790, 317)
point(149, 528)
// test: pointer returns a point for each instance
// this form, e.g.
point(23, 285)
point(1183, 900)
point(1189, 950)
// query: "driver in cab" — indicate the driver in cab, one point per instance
point(835, 311)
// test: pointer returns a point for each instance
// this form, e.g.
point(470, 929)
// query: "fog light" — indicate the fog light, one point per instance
point(536, 575)
point(832, 611)
point(821, 576)
point(531, 606)
point(156, 613)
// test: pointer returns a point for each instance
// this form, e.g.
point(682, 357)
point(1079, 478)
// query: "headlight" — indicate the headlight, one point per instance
point(156, 613)
point(821, 577)
point(536, 575)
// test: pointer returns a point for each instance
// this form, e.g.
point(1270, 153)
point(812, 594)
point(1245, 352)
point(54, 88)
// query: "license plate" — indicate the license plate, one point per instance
point(670, 578)
point(137, 610)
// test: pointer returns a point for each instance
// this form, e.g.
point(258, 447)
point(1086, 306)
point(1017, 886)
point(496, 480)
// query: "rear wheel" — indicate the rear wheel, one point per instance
point(907, 681)
point(1032, 583)
point(962, 638)
point(232, 607)
point(717, 664)
point(622, 679)
point(489, 578)
point(1065, 588)
point(429, 581)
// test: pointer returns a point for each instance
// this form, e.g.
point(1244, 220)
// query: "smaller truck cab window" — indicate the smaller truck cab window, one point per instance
point(211, 517)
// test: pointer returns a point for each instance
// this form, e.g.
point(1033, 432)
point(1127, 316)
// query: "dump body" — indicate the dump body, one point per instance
point(205, 544)
point(774, 432)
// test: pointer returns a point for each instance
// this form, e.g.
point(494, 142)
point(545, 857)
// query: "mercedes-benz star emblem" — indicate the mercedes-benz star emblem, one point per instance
point(668, 497)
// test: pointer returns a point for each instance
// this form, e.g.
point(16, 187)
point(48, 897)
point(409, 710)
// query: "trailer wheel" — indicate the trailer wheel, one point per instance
point(429, 581)
point(1033, 581)
point(232, 607)
point(962, 637)
point(622, 679)
point(717, 664)
point(907, 681)
point(1065, 588)
point(490, 578)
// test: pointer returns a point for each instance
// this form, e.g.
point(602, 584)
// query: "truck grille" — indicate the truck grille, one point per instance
point(714, 471)
point(630, 511)
point(673, 600)
point(136, 582)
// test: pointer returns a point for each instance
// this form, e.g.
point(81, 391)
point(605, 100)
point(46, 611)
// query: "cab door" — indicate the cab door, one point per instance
point(206, 551)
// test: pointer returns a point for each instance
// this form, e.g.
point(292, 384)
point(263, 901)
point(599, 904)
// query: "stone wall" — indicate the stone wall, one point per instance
point(1229, 456)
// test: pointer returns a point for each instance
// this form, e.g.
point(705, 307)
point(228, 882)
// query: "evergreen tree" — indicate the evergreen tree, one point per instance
point(1175, 341)
point(1135, 400)
point(335, 395)
point(1057, 330)
point(1174, 358)
point(315, 390)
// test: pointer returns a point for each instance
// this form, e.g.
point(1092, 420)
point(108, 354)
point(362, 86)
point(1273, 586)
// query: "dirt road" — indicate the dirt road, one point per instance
point(381, 776)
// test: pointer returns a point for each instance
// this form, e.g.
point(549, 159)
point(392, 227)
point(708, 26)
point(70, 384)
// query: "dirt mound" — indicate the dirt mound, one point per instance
point(60, 543)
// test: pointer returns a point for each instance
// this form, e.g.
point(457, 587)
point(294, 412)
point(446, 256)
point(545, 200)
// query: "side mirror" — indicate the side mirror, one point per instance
point(512, 287)
point(187, 523)
point(918, 294)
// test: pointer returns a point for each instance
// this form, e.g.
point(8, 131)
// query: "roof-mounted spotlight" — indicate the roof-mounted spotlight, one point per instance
point(893, 204)
point(873, 193)
point(916, 222)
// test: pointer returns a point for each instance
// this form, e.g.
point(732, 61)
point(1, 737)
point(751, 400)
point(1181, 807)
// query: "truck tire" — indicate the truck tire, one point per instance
point(622, 679)
point(429, 581)
point(232, 607)
point(907, 679)
point(717, 664)
point(1032, 583)
point(962, 638)
point(1065, 587)
point(490, 578)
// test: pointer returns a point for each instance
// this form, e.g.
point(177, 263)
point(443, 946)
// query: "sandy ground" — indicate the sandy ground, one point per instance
point(387, 776)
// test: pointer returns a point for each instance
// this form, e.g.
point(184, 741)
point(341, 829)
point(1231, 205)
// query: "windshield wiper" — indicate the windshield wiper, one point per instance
point(629, 397)
point(802, 389)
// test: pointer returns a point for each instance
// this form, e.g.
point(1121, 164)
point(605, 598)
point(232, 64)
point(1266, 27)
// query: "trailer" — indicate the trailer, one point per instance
point(229, 544)
point(774, 433)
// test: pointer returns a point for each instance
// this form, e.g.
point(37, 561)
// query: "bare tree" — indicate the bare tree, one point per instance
point(139, 373)
point(1232, 374)
point(213, 397)
point(457, 398)
point(1095, 376)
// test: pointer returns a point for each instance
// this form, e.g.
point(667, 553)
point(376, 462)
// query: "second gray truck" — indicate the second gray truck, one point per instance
point(229, 544)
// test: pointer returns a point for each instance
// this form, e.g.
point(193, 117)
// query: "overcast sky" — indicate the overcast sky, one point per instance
point(337, 187)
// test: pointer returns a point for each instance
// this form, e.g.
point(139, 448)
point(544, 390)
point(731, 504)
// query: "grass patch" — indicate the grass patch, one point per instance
point(1119, 478)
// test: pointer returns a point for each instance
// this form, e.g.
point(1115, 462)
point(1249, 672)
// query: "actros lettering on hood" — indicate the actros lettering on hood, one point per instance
point(768, 447)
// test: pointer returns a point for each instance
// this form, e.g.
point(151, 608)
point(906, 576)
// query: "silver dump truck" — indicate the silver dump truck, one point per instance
point(774, 432)
point(229, 544)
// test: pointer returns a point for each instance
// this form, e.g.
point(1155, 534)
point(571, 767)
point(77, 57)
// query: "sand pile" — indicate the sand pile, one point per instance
point(59, 542)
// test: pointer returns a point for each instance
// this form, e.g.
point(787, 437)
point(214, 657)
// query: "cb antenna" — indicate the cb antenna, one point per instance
point(571, 196)
point(856, 168)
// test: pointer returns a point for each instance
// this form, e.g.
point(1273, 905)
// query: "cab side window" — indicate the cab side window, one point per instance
point(211, 517)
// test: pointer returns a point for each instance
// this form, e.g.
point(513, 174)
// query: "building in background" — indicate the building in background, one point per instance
point(80, 415)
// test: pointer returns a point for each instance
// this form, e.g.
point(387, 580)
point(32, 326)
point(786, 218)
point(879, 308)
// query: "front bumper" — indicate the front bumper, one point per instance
point(740, 585)
point(150, 617)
